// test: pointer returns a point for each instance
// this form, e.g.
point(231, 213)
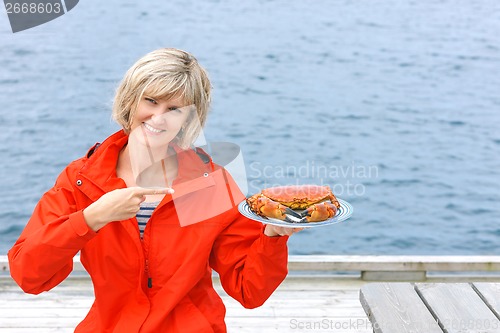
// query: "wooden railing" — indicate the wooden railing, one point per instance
point(399, 268)
point(374, 268)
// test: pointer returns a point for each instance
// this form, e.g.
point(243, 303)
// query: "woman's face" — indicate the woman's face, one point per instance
point(159, 121)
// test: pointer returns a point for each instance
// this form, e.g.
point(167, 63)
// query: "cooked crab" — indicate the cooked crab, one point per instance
point(317, 202)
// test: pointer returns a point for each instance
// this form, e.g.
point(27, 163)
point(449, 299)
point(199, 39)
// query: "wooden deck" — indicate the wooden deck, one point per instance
point(296, 304)
point(321, 294)
point(396, 307)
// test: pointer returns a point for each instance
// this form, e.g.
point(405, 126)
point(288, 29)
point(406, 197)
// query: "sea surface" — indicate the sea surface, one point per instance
point(394, 104)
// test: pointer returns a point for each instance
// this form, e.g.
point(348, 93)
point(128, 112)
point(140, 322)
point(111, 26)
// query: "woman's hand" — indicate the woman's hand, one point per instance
point(272, 230)
point(118, 205)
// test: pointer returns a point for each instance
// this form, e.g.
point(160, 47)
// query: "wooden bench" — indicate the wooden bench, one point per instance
point(432, 307)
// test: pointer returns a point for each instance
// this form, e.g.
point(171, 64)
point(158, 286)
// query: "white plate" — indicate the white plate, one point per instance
point(343, 213)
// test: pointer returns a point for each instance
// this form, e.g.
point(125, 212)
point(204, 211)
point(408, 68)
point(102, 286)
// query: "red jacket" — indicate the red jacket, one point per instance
point(164, 282)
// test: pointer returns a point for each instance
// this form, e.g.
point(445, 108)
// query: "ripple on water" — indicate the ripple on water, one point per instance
point(12, 229)
point(22, 52)
point(9, 81)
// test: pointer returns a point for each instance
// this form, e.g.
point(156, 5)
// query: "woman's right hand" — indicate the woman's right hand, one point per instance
point(118, 205)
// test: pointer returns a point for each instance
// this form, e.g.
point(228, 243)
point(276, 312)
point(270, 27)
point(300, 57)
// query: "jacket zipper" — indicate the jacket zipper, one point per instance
point(148, 268)
point(146, 254)
point(150, 280)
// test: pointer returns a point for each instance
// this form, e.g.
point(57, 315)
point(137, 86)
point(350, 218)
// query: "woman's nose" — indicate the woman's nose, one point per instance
point(159, 118)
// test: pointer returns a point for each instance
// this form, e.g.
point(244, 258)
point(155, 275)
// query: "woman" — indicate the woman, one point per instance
point(154, 276)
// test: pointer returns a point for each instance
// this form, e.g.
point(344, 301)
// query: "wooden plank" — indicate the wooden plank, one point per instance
point(395, 263)
point(393, 276)
point(490, 293)
point(458, 308)
point(396, 308)
point(38, 330)
point(358, 263)
point(36, 322)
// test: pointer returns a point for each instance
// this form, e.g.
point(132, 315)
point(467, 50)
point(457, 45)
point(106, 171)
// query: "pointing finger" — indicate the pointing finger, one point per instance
point(153, 191)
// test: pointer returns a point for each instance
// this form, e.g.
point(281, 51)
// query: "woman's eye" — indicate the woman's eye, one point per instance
point(150, 100)
point(175, 109)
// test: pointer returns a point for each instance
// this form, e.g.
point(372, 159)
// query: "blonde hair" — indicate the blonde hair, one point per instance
point(165, 74)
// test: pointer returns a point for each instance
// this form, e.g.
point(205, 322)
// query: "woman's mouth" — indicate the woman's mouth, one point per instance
point(152, 129)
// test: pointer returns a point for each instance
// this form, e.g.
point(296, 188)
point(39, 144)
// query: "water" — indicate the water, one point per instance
point(395, 104)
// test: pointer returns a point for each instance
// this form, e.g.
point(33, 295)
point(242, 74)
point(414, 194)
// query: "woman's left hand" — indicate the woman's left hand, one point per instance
point(272, 231)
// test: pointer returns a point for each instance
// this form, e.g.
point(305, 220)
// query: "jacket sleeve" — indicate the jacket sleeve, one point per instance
point(250, 264)
point(42, 257)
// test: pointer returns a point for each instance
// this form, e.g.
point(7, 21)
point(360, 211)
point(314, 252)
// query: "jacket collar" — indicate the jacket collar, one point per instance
point(100, 167)
point(192, 163)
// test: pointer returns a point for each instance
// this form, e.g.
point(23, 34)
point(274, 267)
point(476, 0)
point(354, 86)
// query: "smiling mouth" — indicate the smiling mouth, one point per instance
point(152, 129)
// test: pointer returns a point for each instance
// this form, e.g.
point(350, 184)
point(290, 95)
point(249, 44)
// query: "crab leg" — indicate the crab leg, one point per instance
point(269, 208)
point(276, 210)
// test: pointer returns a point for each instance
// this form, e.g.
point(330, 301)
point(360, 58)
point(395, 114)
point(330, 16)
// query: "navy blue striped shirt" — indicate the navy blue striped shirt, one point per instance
point(144, 215)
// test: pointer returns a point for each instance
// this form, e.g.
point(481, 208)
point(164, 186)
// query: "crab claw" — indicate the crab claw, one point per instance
point(319, 212)
point(269, 208)
point(273, 209)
